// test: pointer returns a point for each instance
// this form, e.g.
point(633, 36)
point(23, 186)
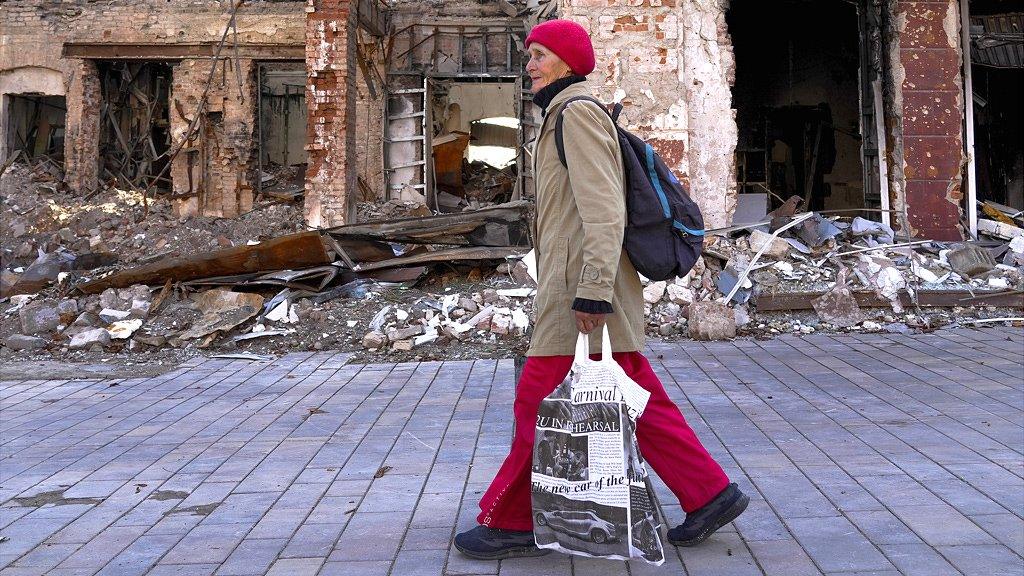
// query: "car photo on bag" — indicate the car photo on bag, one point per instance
point(583, 524)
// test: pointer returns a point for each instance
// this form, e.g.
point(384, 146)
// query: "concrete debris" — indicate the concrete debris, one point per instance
point(396, 334)
point(970, 260)
point(838, 307)
point(654, 291)
point(39, 318)
point(24, 342)
point(88, 338)
point(111, 315)
point(374, 340)
point(456, 284)
point(711, 320)
point(124, 329)
point(776, 247)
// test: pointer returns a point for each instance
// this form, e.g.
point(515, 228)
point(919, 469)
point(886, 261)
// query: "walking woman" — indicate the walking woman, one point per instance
point(586, 281)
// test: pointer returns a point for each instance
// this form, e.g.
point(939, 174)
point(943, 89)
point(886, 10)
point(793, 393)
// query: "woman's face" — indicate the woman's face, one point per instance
point(544, 67)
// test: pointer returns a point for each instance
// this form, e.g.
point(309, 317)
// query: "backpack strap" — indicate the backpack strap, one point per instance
point(559, 144)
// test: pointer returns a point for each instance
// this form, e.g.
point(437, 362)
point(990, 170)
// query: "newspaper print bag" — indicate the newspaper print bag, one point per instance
point(589, 485)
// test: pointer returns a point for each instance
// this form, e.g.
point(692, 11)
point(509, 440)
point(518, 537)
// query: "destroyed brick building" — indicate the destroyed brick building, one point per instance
point(908, 107)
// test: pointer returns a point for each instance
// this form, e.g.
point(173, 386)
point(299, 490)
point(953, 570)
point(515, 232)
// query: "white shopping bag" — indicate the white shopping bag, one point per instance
point(590, 489)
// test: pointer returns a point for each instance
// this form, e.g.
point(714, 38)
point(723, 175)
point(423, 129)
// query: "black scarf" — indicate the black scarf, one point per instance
point(547, 93)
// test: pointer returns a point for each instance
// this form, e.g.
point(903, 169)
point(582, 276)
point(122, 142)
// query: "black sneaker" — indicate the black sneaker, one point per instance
point(485, 543)
point(702, 523)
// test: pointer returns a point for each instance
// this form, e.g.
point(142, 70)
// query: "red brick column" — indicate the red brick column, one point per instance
point(932, 112)
point(330, 98)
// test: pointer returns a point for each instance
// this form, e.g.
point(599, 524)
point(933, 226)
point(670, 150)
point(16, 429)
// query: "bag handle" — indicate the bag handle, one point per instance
point(583, 347)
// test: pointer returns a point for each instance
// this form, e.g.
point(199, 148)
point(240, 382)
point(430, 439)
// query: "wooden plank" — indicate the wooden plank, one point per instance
point(293, 251)
point(785, 301)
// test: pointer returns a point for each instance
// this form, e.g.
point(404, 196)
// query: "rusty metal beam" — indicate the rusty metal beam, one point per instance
point(779, 302)
point(291, 252)
point(108, 51)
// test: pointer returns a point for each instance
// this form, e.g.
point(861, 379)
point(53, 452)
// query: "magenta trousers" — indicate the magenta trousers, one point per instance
point(666, 442)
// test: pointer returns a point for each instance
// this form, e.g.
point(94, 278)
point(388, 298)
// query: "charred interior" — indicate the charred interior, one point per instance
point(797, 101)
point(134, 123)
point(35, 126)
point(997, 77)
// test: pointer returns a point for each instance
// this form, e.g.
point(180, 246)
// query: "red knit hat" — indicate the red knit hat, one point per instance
point(568, 40)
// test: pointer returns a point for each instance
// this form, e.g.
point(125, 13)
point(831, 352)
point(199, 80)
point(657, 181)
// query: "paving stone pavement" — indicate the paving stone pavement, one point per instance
point(862, 454)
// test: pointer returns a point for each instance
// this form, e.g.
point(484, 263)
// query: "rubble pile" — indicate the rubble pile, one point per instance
point(44, 225)
point(86, 278)
point(836, 273)
point(483, 186)
point(93, 279)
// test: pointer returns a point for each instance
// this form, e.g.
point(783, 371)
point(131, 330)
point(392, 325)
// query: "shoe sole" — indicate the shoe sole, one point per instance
point(731, 514)
point(524, 552)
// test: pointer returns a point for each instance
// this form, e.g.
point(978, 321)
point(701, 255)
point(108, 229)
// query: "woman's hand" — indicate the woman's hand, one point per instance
point(587, 323)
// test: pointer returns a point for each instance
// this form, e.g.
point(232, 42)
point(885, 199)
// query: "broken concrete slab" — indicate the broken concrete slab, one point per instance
point(24, 342)
point(654, 291)
point(110, 315)
point(680, 295)
point(838, 307)
point(38, 318)
point(970, 260)
point(90, 337)
point(374, 340)
point(711, 320)
point(222, 311)
point(67, 310)
point(776, 247)
point(396, 334)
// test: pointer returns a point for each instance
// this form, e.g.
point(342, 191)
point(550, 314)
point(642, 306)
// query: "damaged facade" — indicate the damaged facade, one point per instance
point(219, 104)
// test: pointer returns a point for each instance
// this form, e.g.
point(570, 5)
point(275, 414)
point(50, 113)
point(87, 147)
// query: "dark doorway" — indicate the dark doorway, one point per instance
point(997, 78)
point(797, 101)
point(282, 132)
point(134, 122)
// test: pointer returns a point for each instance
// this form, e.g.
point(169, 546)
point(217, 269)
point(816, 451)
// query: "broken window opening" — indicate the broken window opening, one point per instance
point(35, 126)
point(135, 137)
point(462, 142)
point(494, 141)
point(282, 130)
point(797, 100)
point(428, 60)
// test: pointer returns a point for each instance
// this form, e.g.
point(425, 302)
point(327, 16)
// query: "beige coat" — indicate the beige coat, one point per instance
point(581, 218)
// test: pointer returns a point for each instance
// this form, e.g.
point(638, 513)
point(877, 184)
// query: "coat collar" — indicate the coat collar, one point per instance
point(571, 91)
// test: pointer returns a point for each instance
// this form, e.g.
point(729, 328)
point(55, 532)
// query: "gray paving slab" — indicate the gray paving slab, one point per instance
point(862, 453)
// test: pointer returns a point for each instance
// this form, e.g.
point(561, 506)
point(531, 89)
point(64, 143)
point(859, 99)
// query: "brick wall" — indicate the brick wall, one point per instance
point(32, 33)
point(82, 127)
point(222, 155)
point(331, 102)
point(927, 110)
point(674, 85)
